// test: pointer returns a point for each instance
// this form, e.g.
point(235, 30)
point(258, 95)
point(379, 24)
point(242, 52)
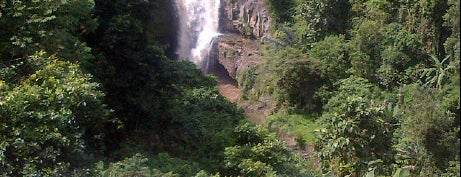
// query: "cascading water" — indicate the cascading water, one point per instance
point(198, 27)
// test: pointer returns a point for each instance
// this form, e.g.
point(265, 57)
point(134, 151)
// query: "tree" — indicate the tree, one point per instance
point(365, 49)
point(140, 81)
point(428, 137)
point(137, 165)
point(200, 126)
point(451, 20)
point(425, 18)
point(330, 59)
point(258, 153)
point(400, 53)
point(53, 26)
point(50, 119)
point(317, 19)
point(356, 136)
point(281, 11)
point(380, 10)
point(297, 83)
point(291, 79)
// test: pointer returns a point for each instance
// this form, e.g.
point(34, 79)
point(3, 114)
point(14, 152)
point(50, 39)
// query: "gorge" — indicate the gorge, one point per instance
point(126, 88)
point(221, 37)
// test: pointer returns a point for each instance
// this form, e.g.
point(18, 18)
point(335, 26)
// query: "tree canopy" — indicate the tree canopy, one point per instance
point(378, 75)
point(91, 88)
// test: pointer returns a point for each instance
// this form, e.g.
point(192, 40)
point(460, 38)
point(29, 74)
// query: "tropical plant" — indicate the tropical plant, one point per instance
point(437, 75)
point(52, 121)
point(356, 134)
point(259, 153)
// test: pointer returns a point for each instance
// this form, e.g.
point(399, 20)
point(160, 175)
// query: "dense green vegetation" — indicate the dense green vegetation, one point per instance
point(383, 76)
point(88, 88)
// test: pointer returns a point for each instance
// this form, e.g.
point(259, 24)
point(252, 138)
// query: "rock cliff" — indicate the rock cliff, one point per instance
point(247, 17)
point(244, 22)
point(236, 52)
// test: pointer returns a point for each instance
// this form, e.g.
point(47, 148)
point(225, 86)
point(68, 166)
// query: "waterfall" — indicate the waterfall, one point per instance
point(198, 27)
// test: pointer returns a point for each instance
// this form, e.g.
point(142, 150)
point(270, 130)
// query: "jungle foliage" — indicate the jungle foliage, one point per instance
point(382, 75)
point(90, 88)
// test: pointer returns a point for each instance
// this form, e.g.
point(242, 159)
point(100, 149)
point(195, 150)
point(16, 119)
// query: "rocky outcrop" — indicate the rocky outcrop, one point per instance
point(243, 22)
point(236, 53)
point(247, 17)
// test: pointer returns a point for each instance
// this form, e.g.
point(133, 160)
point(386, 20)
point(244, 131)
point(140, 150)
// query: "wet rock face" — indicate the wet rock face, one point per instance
point(244, 23)
point(247, 17)
point(236, 53)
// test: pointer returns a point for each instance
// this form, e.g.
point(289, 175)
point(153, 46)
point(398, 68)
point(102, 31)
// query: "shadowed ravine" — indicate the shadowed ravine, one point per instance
point(228, 87)
point(198, 40)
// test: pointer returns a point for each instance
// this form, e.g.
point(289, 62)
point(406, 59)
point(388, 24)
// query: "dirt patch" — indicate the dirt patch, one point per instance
point(228, 87)
point(233, 55)
point(257, 112)
point(229, 90)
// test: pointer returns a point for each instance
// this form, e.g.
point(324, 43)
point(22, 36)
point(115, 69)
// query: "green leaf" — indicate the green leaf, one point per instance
point(370, 173)
point(402, 172)
point(329, 174)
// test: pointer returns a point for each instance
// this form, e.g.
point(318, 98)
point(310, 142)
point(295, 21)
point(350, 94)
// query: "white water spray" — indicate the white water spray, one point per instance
point(198, 26)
